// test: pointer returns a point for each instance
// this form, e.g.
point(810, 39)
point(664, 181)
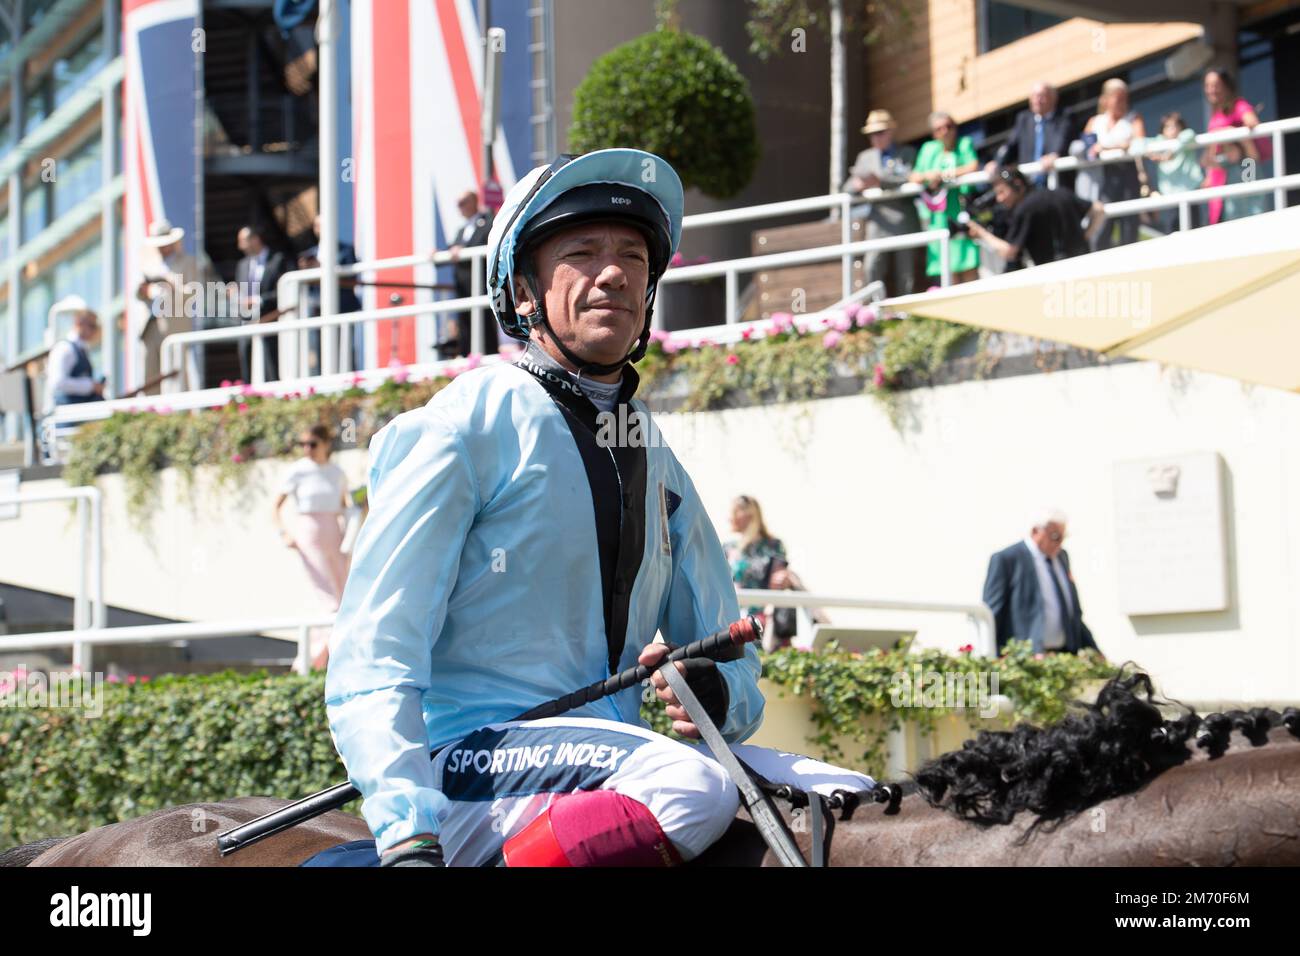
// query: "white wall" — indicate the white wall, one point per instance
point(215, 555)
point(868, 510)
point(864, 509)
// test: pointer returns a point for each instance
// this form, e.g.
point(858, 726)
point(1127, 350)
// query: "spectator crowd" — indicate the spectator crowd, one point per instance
point(1027, 219)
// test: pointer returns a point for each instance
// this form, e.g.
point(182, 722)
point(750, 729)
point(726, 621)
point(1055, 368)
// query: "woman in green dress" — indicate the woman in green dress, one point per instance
point(940, 160)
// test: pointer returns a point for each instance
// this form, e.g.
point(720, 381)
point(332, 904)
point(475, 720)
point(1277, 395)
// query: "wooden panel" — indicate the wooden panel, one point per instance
point(939, 68)
point(806, 235)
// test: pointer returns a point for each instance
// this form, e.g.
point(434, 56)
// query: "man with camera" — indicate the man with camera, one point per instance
point(1043, 225)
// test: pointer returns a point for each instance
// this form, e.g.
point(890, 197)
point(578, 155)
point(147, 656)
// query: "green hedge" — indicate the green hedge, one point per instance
point(189, 739)
point(677, 96)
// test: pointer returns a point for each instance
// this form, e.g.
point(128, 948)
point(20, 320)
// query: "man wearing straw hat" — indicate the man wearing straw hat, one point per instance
point(169, 289)
point(886, 166)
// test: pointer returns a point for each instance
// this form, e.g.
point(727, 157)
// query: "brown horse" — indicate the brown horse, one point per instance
point(1230, 797)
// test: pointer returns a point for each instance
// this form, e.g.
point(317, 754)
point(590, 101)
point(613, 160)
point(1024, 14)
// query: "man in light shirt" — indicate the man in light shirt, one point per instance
point(1031, 592)
point(70, 377)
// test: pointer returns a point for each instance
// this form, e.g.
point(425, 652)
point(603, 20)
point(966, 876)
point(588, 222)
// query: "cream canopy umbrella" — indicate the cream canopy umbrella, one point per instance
point(1222, 299)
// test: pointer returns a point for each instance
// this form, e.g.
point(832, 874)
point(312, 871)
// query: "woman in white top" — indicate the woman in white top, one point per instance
point(1110, 133)
point(320, 490)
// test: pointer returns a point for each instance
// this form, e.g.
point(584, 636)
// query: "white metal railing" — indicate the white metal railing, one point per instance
point(979, 615)
point(88, 608)
point(1274, 129)
point(1184, 201)
point(83, 640)
point(293, 283)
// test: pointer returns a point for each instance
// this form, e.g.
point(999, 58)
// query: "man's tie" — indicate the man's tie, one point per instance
point(1067, 612)
point(1038, 148)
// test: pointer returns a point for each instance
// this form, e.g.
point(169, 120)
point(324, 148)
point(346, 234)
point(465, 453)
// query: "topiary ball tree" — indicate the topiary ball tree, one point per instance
point(677, 96)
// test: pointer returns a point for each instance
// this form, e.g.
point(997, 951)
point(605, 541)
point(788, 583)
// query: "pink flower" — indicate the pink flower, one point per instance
point(802, 326)
point(1040, 657)
point(243, 406)
point(934, 288)
point(878, 378)
point(226, 383)
point(746, 333)
point(733, 359)
point(239, 381)
point(781, 322)
point(841, 323)
point(831, 339)
point(658, 335)
point(401, 375)
point(237, 458)
point(866, 315)
point(311, 389)
point(671, 347)
point(114, 679)
point(966, 649)
point(474, 361)
point(130, 678)
point(677, 259)
point(357, 379)
point(165, 410)
point(144, 680)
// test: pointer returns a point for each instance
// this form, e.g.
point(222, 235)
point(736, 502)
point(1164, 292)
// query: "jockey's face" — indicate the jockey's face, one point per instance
point(593, 280)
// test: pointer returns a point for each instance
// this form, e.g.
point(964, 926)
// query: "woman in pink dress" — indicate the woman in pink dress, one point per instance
point(320, 490)
point(1228, 109)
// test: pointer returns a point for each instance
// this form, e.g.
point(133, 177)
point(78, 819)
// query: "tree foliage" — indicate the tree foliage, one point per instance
point(675, 95)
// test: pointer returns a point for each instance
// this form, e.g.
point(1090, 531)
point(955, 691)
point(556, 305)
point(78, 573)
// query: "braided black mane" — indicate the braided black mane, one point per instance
point(1101, 750)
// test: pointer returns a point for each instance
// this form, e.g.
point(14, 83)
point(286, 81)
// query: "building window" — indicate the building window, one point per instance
point(38, 296)
point(36, 209)
point(77, 176)
point(73, 70)
point(1003, 23)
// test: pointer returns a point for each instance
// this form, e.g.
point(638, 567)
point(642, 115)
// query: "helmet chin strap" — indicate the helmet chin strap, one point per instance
point(582, 365)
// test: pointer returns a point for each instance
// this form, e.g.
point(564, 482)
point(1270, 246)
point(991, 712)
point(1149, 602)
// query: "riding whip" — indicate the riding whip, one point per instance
point(736, 634)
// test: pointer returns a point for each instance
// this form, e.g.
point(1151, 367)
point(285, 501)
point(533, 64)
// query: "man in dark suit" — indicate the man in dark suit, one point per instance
point(887, 166)
point(348, 302)
point(1032, 595)
point(474, 232)
point(257, 274)
point(1040, 133)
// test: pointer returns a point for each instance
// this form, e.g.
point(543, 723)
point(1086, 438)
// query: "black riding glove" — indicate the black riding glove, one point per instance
point(707, 683)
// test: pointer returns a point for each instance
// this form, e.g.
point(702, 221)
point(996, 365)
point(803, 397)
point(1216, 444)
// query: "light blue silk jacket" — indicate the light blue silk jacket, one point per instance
point(475, 589)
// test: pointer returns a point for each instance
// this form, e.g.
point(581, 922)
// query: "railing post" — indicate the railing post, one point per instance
point(1279, 168)
point(303, 661)
point(99, 611)
point(80, 611)
point(257, 354)
point(1184, 216)
point(476, 314)
point(846, 236)
point(733, 284)
point(945, 262)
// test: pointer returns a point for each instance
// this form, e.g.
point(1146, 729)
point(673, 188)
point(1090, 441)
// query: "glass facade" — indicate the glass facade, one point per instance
point(75, 69)
point(77, 175)
point(37, 297)
point(1003, 23)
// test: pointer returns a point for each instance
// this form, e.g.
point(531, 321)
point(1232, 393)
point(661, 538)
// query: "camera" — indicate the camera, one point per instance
point(980, 209)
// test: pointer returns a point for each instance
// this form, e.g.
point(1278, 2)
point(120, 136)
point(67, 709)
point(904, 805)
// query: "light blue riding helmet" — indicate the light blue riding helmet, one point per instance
point(627, 185)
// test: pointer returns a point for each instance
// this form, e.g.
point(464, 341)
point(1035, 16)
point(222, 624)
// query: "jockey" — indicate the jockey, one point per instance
point(514, 552)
